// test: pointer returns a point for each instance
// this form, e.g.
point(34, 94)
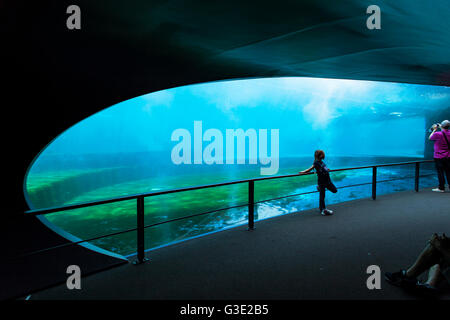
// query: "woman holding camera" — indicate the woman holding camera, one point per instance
point(441, 152)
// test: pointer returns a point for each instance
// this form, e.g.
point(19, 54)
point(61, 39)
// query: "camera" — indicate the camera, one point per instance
point(438, 125)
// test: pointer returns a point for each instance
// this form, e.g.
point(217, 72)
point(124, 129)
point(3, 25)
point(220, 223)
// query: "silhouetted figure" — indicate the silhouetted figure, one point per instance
point(436, 259)
point(323, 180)
point(441, 153)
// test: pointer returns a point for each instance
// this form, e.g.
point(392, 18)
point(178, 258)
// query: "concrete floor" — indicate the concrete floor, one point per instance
point(295, 256)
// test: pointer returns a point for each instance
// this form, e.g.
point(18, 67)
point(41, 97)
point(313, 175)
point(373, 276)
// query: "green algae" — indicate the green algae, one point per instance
point(99, 220)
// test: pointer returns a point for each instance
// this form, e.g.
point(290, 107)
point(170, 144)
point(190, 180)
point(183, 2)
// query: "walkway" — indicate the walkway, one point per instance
point(295, 256)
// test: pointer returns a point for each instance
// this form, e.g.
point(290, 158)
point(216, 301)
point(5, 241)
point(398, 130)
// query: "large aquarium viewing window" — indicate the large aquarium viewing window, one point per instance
point(223, 131)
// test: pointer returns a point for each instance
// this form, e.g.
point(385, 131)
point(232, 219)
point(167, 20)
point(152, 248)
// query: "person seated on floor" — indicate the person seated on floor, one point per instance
point(435, 258)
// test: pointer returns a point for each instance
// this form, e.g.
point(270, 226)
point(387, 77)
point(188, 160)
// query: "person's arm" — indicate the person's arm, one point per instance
point(445, 252)
point(437, 243)
point(307, 170)
point(434, 127)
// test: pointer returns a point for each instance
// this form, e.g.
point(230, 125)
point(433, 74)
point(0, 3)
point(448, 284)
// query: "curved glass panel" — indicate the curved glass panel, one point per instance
point(229, 130)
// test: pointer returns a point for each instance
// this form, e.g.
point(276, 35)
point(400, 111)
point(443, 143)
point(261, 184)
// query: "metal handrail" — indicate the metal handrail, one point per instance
point(140, 203)
point(43, 211)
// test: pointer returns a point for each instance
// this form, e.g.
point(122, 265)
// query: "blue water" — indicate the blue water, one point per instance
point(131, 147)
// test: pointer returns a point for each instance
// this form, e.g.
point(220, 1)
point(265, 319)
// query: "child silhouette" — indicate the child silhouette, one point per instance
point(323, 180)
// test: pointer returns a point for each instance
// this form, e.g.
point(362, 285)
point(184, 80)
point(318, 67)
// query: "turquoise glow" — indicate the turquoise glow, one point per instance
point(126, 148)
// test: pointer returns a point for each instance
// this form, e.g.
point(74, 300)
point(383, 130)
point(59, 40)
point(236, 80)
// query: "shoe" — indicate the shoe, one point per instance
point(400, 279)
point(326, 212)
point(438, 190)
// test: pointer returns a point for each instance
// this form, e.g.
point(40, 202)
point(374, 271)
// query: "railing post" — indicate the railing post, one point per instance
point(251, 205)
point(140, 232)
point(416, 177)
point(374, 183)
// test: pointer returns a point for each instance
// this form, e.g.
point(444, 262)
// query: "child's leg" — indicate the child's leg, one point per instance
point(321, 197)
point(331, 187)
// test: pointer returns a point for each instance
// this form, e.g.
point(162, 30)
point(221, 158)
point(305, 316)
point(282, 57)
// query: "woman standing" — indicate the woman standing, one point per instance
point(441, 153)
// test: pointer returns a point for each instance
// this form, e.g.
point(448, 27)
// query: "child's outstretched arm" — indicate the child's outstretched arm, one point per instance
point(307, 170)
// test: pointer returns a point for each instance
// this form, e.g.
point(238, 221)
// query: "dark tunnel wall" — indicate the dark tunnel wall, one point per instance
point(49, 90)
point(56, 77)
